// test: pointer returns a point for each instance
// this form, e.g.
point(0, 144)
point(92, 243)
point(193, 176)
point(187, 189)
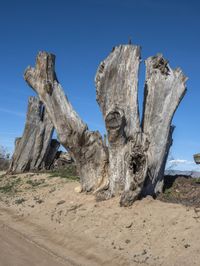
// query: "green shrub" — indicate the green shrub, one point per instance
point(35, 182)
point(67, 173)
point(10, 186)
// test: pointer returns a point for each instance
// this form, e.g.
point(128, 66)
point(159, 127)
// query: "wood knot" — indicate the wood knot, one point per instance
point(114, 120)
point(115, 124)
point(137, 163)
point(161, 64)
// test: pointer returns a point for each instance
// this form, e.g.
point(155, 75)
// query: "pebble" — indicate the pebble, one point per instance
point(60, 202)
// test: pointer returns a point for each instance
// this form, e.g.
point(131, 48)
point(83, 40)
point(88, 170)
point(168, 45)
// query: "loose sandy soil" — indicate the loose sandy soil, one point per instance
point(43, 221)
point(17, 250)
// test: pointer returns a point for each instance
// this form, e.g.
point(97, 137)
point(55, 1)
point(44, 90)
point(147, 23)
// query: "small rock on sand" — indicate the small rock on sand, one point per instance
point(78, 189)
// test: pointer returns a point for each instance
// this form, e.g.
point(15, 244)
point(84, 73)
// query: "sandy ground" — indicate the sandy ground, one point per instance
point(70, 228)
point(15, 250)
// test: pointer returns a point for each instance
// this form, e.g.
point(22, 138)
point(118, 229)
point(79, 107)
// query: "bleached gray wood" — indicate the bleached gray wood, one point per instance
point(133, 163)
point(32, 148)
point(117, 94)
point(164, 89)
point(86, 147)
point(137, 155)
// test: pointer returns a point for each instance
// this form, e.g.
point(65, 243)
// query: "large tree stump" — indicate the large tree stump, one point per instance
point(32, 149)
point(133, 162)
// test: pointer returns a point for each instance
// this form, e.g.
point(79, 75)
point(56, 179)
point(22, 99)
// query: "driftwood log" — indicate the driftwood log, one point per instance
point(133, 162)
point(33, 148)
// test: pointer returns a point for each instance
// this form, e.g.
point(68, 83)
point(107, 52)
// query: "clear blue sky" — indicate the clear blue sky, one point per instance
point(81, 34)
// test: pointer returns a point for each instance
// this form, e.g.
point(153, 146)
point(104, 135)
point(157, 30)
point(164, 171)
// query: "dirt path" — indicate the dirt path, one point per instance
point(81, 231)
point(16, 250)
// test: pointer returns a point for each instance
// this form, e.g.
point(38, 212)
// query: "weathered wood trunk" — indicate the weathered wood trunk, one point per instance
point(86, 147)
point(32, 149)
point(133, 162)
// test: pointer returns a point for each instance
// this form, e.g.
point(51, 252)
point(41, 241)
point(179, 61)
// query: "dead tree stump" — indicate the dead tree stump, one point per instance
point(32, 149)
point(133, 162)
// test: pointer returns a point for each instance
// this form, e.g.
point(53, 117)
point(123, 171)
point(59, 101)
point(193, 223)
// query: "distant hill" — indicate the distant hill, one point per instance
point(193, 174)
